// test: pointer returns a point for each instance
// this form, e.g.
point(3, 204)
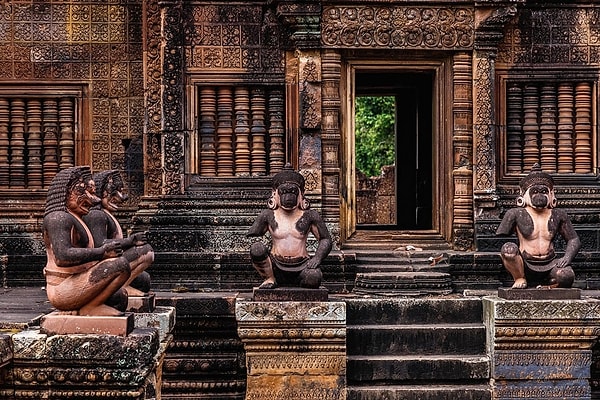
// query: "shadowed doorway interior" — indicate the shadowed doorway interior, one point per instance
point(393, 150)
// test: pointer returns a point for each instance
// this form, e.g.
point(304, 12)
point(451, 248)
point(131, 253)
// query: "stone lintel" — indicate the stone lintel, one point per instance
point(540, 294)
point(162, 318)
point(143, 304)
point(290, 294)
point(57, 323)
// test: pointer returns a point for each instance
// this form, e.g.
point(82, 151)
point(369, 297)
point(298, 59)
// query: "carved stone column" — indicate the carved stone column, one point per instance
point(294, 350)
point(489, 32)
point(462, 139)
point(172, 97)
point(541, 349)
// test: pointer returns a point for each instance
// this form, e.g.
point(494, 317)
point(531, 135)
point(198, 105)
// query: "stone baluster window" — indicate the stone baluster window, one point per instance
point(38, 133)
point(550, 123)
point(239, 131)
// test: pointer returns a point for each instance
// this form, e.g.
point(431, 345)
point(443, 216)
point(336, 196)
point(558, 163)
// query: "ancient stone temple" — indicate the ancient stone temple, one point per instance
point(199, 103)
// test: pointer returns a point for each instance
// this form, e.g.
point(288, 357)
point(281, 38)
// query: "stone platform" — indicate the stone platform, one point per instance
point(294, 350)
point(541, 349)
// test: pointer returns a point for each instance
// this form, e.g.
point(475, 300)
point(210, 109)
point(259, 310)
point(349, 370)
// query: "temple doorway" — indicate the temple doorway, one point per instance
point(393, 150)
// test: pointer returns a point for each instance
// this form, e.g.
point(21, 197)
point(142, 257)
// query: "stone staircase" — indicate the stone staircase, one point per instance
point(389, 264)
point(416, 349)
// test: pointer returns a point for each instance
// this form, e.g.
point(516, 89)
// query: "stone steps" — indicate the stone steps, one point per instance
point(421, 348)
point(416, 339)
point(394, 264)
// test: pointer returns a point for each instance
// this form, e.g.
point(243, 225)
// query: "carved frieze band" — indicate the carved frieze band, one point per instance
point(551, 312)
point(285, 362)
point(289, 332)
point(398, 27)
point(570, 389)
point(290, 312)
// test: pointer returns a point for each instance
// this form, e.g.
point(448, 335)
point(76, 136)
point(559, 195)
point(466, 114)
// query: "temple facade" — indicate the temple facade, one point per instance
point(198, 103)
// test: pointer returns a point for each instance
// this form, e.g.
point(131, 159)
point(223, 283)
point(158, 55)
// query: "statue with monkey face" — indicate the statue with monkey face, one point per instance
point(81, 278)
point(105, 228)
point(289, 220)
point(537, 223)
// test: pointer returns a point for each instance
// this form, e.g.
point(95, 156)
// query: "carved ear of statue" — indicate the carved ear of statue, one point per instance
point(521, 201)
point(304, 204)
point(272, 202)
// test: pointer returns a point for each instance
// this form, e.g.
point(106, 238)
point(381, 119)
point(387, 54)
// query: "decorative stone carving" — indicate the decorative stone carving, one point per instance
point(541, 349)
point(294, 349)
point(398, 27)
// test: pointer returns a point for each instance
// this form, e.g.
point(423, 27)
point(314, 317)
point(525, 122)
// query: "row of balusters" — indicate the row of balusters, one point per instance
point(549, 124)
point(241, 130)
point(37, 139)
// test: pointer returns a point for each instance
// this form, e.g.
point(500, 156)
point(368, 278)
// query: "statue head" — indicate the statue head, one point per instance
point(537, 189)
point(109, 185)
point(288, 190)
point(72, 190)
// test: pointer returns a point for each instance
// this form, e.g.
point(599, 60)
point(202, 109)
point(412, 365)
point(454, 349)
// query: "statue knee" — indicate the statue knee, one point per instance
point(259, 252)
point(118, 300)
point(509, 250)
point(564, 277)
point(142, 282)
point(311, 278)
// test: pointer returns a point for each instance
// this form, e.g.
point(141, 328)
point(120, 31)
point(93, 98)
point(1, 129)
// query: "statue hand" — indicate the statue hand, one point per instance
point(311, 263)
point(139, 238)
point(561, 263)
point(112, 248)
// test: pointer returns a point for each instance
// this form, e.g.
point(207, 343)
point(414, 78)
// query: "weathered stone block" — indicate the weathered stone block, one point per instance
point(162, 318)
point(541, 389)
point(533, 364)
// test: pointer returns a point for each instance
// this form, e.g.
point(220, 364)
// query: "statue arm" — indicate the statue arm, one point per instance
point(507, 225)
point(261, 223)
point(319, 229)
point(573, 242)
point(58, 227)
point(97, 224)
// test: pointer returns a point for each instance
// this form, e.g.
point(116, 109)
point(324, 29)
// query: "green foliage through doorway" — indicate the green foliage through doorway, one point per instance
point(375, 139)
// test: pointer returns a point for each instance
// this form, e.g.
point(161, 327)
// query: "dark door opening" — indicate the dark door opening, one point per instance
point(411, 206)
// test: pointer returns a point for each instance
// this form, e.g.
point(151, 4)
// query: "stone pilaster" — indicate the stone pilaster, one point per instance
point(294, 350)
point(541, 349)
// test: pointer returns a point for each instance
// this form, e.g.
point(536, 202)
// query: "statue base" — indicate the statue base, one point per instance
point(540, 348)
point(85, 366)
point(57, 323)
point(294, 349)
point(290, 294)
point(144, 304)
point(540, 294)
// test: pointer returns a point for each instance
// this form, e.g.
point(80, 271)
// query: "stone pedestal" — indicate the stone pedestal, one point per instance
point(541, 349)
point(294, 350)
point(88, 365)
